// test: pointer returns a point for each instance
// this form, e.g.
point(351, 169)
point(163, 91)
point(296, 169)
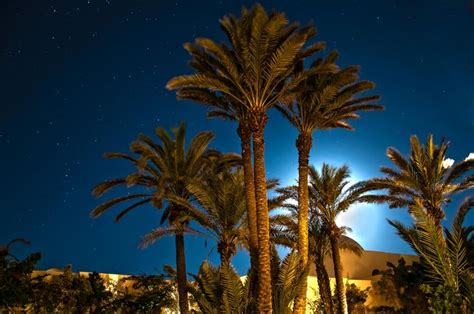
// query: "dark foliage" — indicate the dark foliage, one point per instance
point(400, 285)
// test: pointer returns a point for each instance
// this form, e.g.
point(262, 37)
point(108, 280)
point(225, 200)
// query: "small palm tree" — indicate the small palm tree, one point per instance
point(162, 171)
point(326, 100)
point(243, 79)
point(287, 278)
point(333, 196)
point(219, 289)
point(424, 177)
point(444, 257)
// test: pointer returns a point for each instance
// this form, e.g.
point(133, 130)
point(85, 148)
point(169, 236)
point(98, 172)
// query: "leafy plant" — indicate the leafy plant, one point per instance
point(219, 289)
point(16, 280)
point(443, 256)
point(400, 286)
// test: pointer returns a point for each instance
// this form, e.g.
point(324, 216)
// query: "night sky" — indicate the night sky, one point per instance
point(80, 78)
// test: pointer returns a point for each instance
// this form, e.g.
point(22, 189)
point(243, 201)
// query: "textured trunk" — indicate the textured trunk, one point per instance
point(225, 259)
point(226, 250)
point(324, 285)
point(264, 299)
point(303, 143)
point(181, 274)
point(245, 139)
point(340, 289)
point(438, 216)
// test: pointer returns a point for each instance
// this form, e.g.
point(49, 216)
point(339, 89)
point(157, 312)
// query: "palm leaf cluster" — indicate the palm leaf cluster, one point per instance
point(219, 206)
point(287, 277)
point(422, 177)
point(160, 170)
point(248, 75)
point(219, 289)
point(445, 257)
point(329, 98)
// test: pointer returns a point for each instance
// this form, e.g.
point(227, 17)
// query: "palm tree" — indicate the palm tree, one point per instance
point(285, 228)
point(219, 289)
point(220, 208)
point(162, 171)
point(325, 101)
point(241, 80)
point(443, 256)
point(425, 176)
point(287, 278)
point(333, 196)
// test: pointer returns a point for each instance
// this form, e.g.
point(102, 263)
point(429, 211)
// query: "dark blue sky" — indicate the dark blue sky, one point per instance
point(79, 78)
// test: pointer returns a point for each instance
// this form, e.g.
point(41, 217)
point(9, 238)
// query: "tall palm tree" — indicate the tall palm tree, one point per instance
point(445, 257)
point(425, 176)
point(220, 208)
point(162, 171)
point(333, 196)
point(285, 228)
point(324, 101)
point(249, 75)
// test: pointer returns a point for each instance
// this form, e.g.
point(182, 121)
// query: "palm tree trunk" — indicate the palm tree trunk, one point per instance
point(245, 138)
point(225, 251)
point(303, 143)
point(264, 299)
point(225, 260)
point(341, 293)
point(181, 275)
point(324, 285)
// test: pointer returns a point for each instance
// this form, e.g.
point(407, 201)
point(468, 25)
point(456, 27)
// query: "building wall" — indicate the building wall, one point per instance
point(361, 267)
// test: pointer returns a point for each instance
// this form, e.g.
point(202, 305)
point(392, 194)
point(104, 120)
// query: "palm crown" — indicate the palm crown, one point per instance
point(250, 73)
point(328, 99)
point(423, 176)
point(285, 227)
point(161, 170)
point(219, 207)
point(332, 194)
